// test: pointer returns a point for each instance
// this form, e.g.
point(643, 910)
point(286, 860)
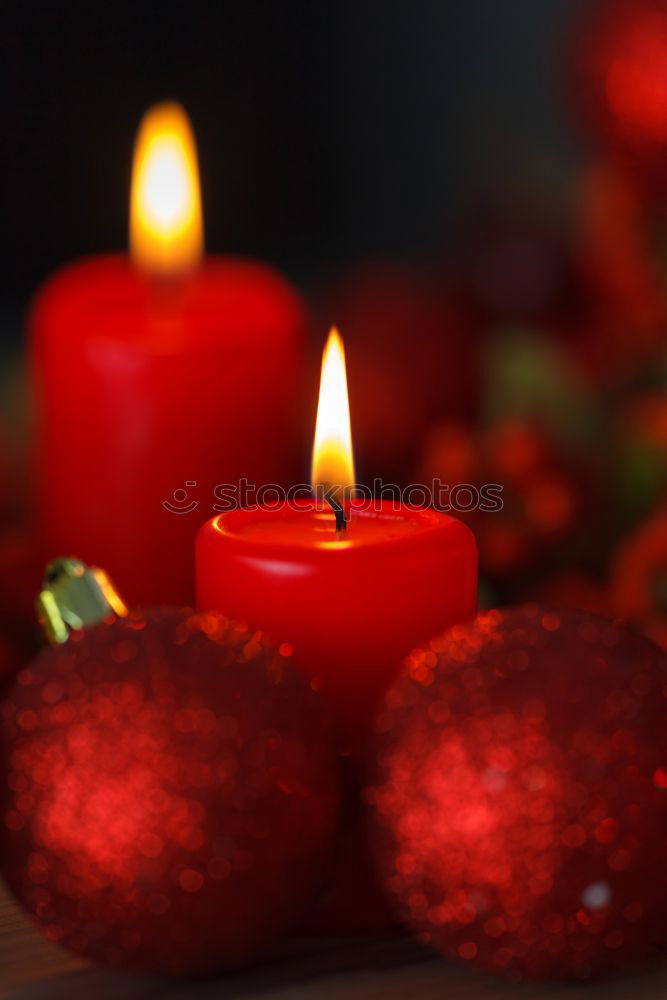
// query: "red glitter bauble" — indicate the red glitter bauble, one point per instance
point(518, 794)
point(171, 794)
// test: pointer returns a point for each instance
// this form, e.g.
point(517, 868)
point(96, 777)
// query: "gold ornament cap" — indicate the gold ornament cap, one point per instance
point(75, 596)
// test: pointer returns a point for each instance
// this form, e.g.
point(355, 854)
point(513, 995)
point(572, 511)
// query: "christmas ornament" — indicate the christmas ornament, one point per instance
point(171, 792)
point(518, 793)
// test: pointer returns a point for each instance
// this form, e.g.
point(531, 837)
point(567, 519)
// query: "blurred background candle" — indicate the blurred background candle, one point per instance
point(157, 377)
point(353, 603)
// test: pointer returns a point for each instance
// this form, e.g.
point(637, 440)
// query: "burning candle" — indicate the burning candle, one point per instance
point(352, 599)
point(157, 377)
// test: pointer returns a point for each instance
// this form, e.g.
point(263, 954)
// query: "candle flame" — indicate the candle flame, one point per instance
point(333, 461)
point(166, 230)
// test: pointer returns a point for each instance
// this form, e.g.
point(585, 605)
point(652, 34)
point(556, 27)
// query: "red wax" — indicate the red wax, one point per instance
point(351, 606)
point(145, 387)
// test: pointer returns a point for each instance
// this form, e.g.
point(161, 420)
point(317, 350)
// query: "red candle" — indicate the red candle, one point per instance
point(352, 603)
point(158, 377)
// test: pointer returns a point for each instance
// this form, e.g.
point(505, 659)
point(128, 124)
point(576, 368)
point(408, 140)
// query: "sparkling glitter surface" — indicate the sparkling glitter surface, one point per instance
point(518, 794)
point(170, 793)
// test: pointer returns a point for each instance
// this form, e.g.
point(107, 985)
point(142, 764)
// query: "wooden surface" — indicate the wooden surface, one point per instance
point(361, 968)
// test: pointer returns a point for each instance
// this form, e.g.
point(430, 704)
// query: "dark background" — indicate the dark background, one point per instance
point(327, 132)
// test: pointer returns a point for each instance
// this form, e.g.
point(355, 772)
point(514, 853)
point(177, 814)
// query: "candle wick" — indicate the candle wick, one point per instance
point(329, 494)
point(337, 507)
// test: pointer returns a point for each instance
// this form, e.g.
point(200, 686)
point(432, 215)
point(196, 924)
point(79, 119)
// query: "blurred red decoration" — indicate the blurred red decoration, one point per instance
point(639, 577)
point(540, 497)
point(621, 318)
point(518, 794)
point(171, 796)
point(622, 77)
point(641, 454)
point(411, 360)
point(645, 418)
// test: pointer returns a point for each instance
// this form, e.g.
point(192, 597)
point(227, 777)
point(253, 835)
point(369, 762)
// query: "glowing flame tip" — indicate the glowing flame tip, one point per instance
point(333, 461)
point(166, 230)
